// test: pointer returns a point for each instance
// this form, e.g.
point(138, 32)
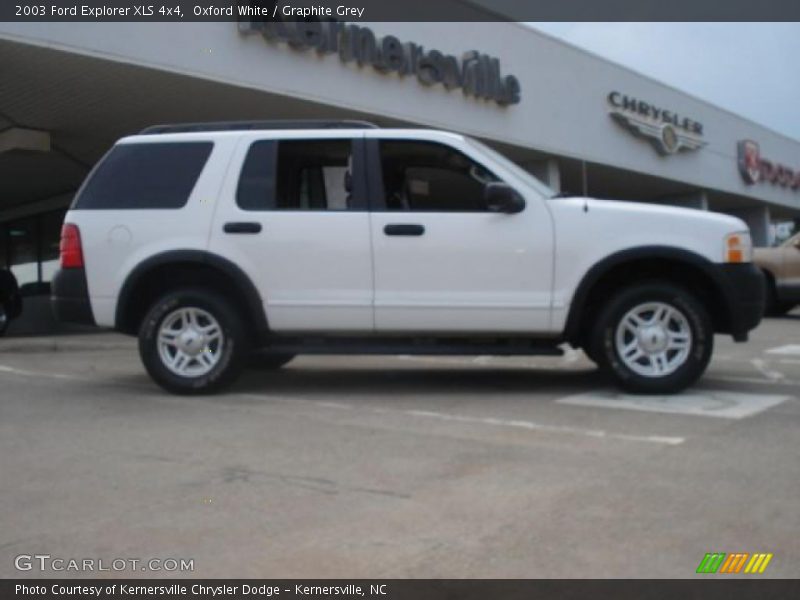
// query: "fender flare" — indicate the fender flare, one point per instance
point(604, 266)
point(243, 283)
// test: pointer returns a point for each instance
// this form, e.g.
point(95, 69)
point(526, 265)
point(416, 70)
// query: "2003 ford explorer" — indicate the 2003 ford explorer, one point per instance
point(211, 240)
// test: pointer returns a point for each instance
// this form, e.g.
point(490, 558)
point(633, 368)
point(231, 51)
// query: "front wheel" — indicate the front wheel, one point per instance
point(654, 338)
point(192, 341)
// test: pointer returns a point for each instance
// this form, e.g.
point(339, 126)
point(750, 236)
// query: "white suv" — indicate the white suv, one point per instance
point(210, 240)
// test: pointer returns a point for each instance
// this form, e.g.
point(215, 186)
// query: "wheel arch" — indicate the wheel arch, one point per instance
point(769, 279)
point(167, 271)
point(780, 299)
point(675, 265)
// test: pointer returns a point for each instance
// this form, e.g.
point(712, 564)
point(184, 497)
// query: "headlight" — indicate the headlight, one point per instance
point(738, 248)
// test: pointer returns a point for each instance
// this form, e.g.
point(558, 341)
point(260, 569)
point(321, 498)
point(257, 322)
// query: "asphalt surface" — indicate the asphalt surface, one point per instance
point(399, 466)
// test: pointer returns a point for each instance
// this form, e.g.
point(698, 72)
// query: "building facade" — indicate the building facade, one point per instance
point(580, 123)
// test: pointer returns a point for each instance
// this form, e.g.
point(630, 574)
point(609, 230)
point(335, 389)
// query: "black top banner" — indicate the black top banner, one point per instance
point(393, 589)
point(397, 10)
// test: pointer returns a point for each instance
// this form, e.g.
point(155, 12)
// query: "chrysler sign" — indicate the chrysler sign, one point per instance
point(478, 75)
point(668, 131)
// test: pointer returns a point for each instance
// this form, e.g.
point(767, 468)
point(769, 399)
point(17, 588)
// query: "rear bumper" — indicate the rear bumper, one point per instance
point(746, 293)
point(70, 297)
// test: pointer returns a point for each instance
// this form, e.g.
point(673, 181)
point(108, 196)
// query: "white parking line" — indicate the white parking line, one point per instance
point(725, 405)
point(762, 367)
point(530, 425)
point(790, 349)
point(25, 373)
point(489, 421)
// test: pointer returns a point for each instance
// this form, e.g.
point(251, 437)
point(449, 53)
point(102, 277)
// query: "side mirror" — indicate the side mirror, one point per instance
point(502, 198)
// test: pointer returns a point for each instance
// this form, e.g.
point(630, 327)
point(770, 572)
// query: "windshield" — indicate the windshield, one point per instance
point(518, 171)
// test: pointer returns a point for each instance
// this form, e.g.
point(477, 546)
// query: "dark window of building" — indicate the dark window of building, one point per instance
point(297, 175)
point(3, 246)
point(159, 175)
point(426, 176)
point(23, 237)
point(29, 249)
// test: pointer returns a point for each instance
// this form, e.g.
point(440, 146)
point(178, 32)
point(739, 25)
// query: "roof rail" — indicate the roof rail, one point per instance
point(256, 125)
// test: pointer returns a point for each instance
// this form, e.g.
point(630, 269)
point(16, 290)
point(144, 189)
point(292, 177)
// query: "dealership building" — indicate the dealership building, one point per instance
point(582, 124)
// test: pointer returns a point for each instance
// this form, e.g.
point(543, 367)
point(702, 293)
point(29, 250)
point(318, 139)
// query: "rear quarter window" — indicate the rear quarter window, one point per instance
point(145, 176)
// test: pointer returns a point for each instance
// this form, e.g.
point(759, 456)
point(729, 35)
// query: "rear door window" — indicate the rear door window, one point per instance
point(301, 175)
point(145, 176)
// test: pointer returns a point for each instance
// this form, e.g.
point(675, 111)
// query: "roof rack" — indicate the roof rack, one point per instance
point(255, 125)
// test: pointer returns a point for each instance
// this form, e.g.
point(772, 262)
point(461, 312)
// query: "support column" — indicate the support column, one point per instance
point(757, 219)
point(545, 170)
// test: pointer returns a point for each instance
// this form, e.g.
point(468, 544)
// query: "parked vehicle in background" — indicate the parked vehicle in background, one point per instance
point(342, 238)
point(10, 299)
point(781, 266)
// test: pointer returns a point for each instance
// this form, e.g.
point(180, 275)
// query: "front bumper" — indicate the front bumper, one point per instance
point(70, 297)
point(745, 290)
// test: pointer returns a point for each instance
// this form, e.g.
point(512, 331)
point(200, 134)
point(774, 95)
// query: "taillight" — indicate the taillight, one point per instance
point(70, 247)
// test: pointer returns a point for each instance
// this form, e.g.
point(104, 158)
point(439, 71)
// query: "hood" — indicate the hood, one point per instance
point(614, 225)
point(642, 212)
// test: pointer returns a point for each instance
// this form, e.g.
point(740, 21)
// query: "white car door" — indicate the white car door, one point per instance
point(293, 216)
point(443, 261)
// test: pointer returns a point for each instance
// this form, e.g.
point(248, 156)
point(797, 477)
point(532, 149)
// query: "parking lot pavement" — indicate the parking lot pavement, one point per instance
point(399, 466)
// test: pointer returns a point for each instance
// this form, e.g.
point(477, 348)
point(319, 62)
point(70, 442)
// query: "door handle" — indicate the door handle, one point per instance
point(404, 229)
point(242, 227)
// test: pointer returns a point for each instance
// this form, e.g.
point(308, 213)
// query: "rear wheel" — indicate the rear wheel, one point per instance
point(654, 338)
point(192, 341)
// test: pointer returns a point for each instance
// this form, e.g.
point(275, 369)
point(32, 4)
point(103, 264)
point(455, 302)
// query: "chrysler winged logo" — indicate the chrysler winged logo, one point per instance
point(666, 130)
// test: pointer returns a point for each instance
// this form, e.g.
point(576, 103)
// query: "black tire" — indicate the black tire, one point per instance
point(774, 307)
point(270, 362)
point(687, 370)
point(780, 309)
point(233, 347)
point(589, 352)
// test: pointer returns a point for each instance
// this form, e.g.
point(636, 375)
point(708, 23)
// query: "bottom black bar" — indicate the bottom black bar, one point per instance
point(417, 589)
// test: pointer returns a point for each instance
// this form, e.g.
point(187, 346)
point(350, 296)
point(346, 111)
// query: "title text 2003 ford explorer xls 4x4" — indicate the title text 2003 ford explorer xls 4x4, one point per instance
point(337, 237)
